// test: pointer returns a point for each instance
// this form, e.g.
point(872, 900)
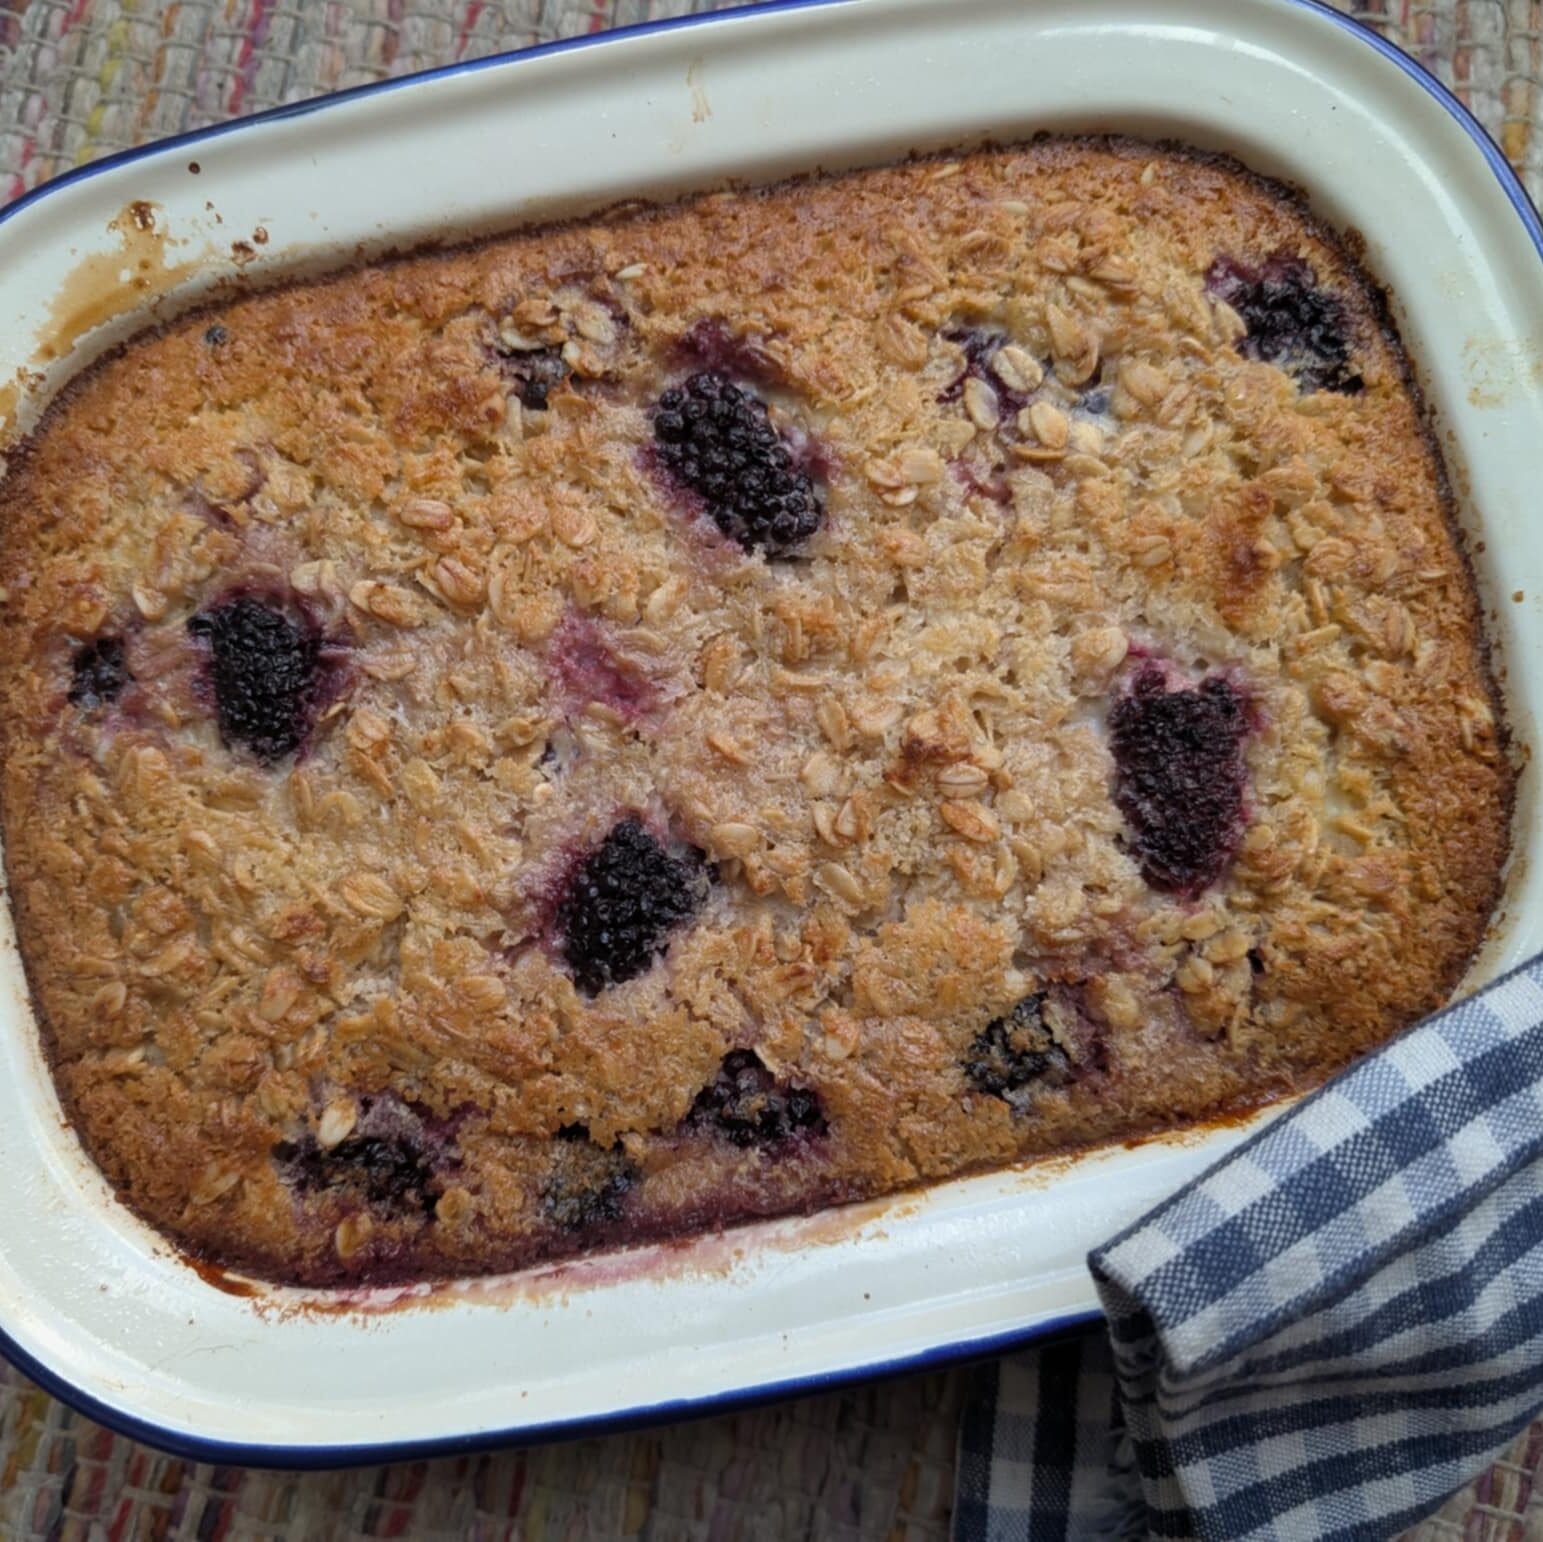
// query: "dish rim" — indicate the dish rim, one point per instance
point(358, 1453)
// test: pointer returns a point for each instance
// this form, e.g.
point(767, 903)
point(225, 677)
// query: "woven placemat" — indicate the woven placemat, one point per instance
point(81, 78)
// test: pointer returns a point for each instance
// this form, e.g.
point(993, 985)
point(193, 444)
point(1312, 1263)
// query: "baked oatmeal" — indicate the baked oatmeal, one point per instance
point(714, 711)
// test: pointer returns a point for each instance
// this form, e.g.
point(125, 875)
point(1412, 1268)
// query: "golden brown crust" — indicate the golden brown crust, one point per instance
point(894, 747)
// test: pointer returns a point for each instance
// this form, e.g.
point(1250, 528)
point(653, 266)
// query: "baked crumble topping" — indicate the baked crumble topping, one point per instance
point(714, 711)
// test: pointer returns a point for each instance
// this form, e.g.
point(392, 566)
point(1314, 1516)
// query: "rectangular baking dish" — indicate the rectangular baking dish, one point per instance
point(100, 1311)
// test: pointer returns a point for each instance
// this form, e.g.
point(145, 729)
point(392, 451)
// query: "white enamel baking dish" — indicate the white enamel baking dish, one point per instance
point(91, 1304)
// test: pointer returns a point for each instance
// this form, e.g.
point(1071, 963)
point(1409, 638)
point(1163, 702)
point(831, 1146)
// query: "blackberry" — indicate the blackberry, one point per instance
point(98, 673)
point(533, 373)
point(718, 442)
point(1180, 776)
point(745, 1103)
point(589, 1183)
point(1016, 1051)
point(1292, 321)
point(620, 906)
point(266, 673)
point(391, 1173)
point(392, 1160)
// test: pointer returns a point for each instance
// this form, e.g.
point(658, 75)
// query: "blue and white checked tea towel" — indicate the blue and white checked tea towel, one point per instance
point(1322, 1337)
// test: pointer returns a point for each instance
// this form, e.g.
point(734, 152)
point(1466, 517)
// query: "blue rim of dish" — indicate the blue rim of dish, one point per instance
point(226, 1453)
point(235, 1453)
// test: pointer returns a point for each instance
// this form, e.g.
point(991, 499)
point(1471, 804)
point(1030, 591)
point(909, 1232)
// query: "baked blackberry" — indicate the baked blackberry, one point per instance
point(266, 672)
point(533, 373)
point(1180, 776)
point(1292, 321)
point(718, 442)
point(1016, 1051)
point(390, 1173)
point(747, 1105)
point(621, 905)
point(588, 1184)
point(98, 673)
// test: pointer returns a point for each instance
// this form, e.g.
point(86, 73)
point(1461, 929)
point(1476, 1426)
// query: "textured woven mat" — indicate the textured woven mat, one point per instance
point(80, 78)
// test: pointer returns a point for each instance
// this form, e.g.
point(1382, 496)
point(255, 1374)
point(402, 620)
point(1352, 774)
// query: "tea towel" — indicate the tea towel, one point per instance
point(1321, 1337)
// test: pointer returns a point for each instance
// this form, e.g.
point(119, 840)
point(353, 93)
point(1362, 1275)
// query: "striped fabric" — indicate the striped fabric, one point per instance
point(1045, 1441)
point(1320, 1338)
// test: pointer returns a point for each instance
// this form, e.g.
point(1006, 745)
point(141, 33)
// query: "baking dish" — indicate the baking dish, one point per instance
point(100, 1310)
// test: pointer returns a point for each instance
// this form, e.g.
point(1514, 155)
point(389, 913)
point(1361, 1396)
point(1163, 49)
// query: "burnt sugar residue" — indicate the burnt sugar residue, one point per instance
point(105, 284)
point(221, 1279)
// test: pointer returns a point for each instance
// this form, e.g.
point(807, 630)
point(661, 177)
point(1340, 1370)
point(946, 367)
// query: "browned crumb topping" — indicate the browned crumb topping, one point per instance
point(715, 711)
